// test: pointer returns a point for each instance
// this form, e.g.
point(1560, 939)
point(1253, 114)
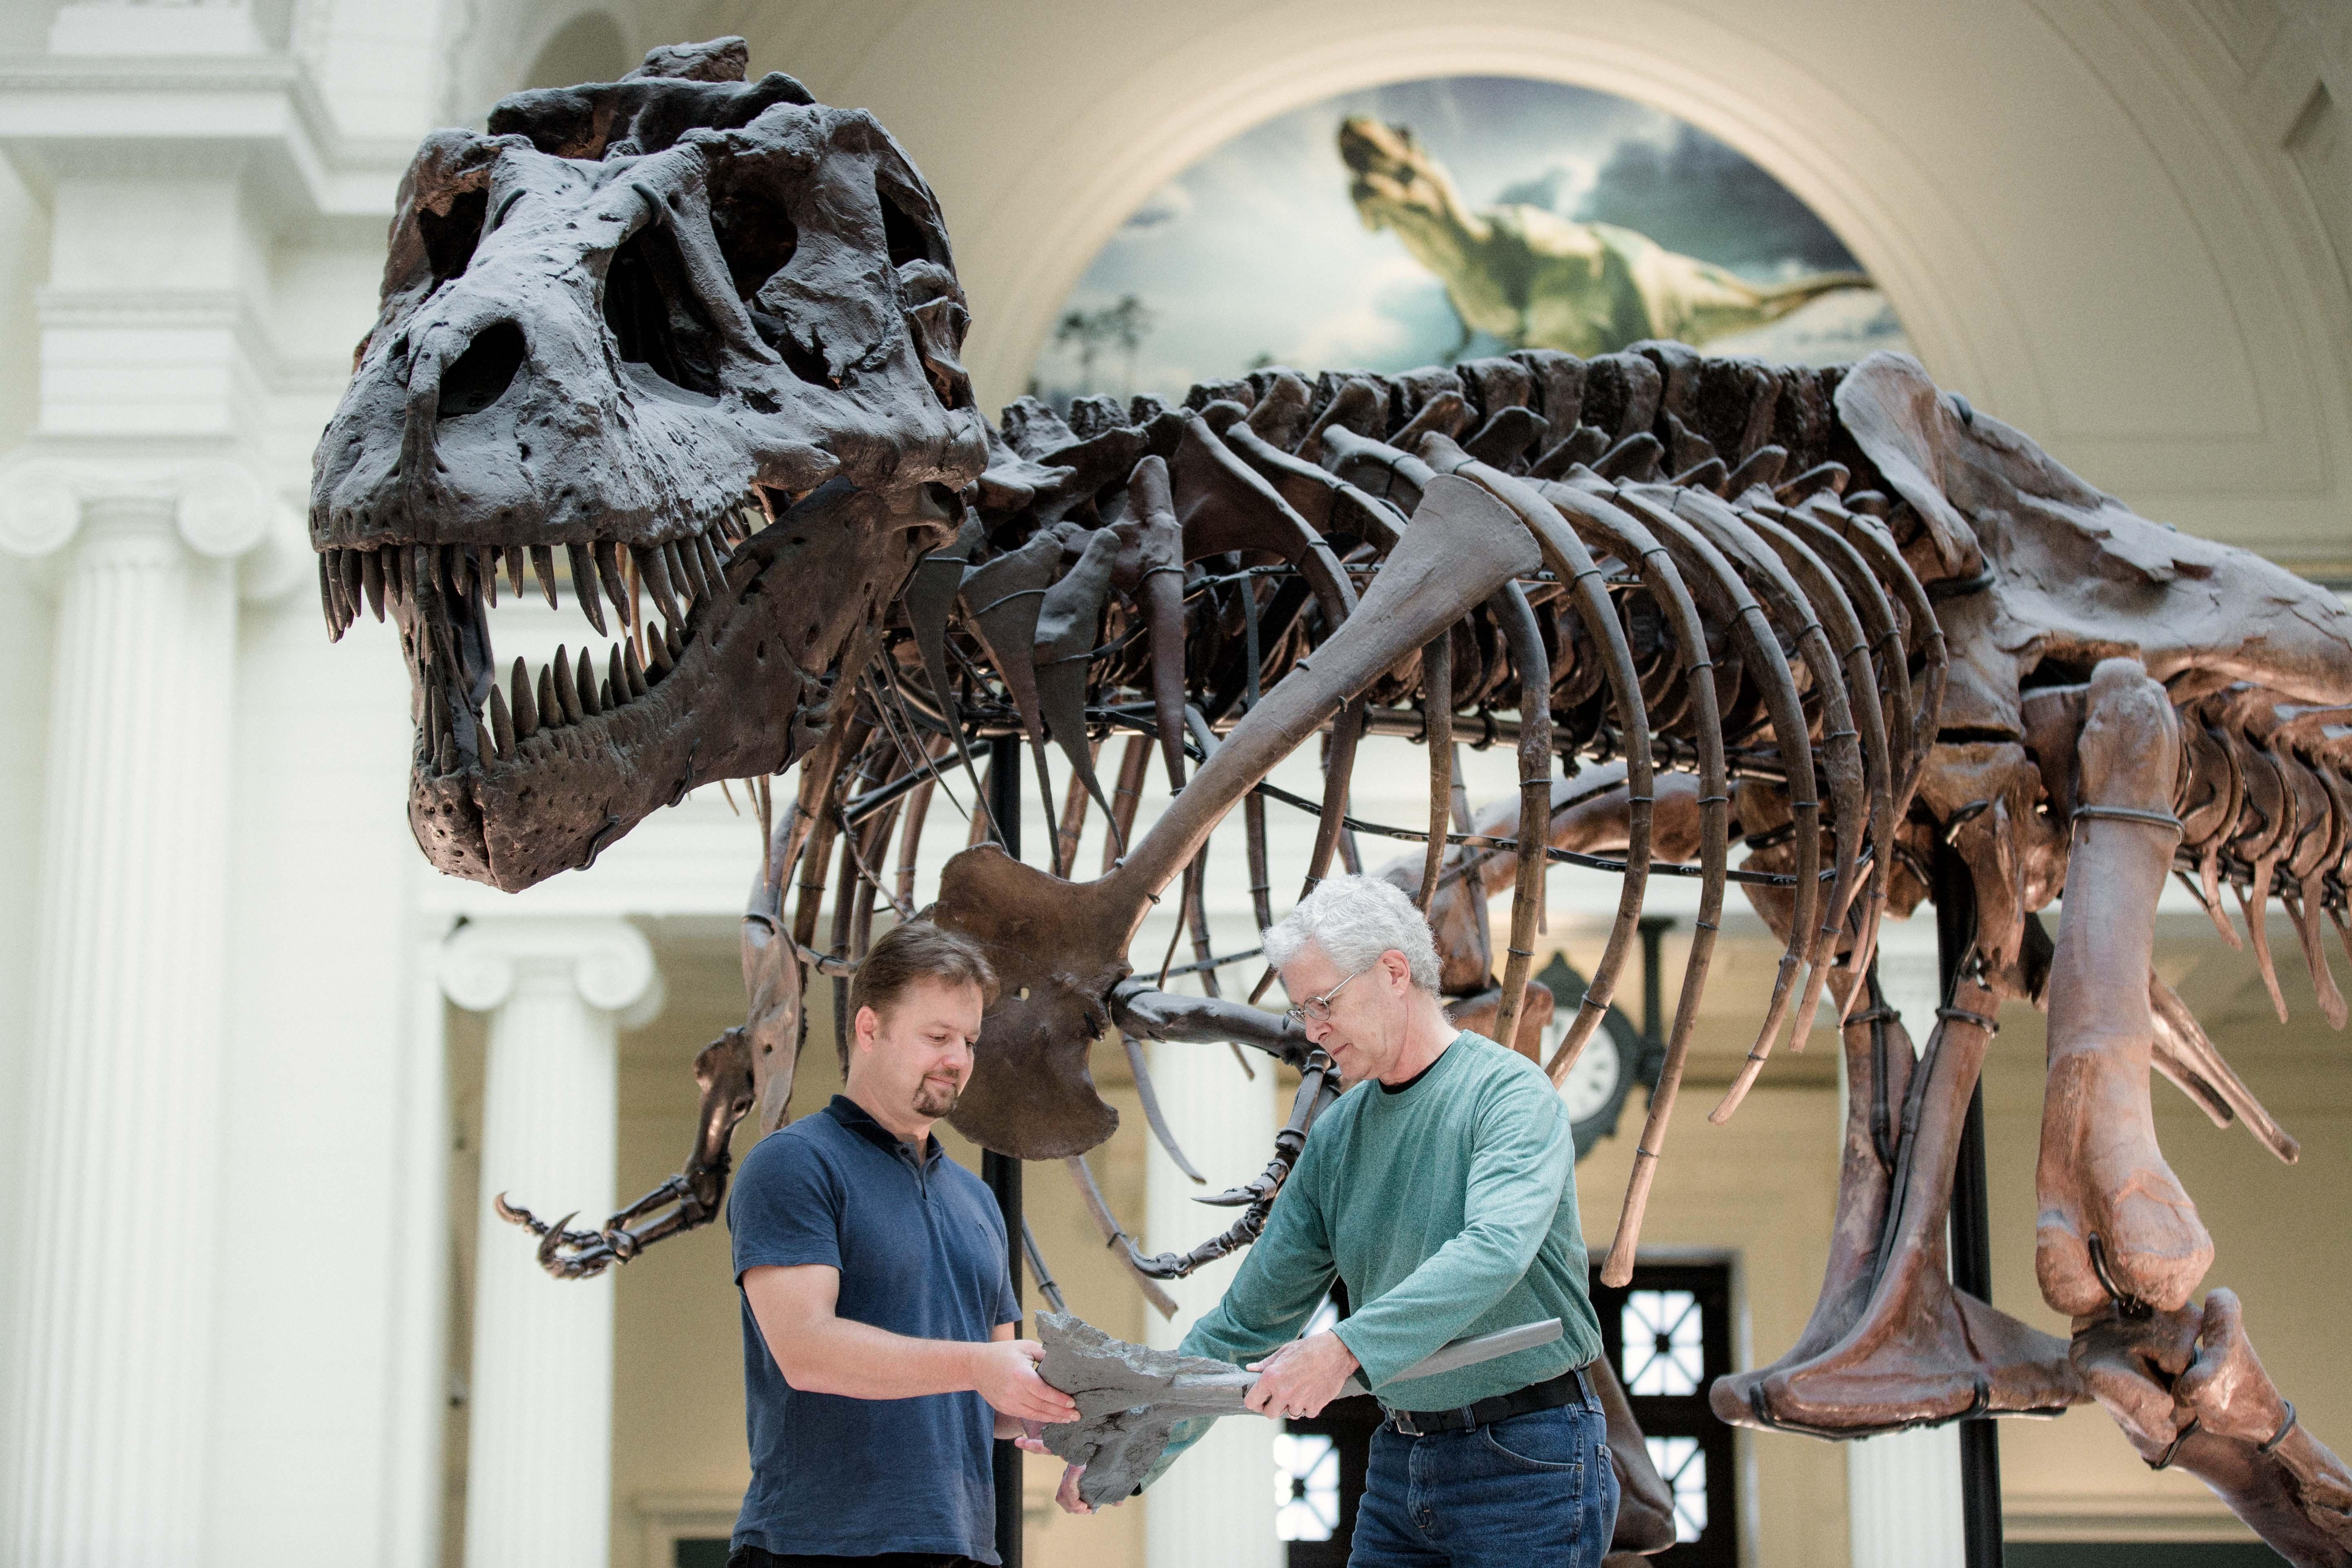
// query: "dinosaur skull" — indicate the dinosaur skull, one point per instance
point(694, 339)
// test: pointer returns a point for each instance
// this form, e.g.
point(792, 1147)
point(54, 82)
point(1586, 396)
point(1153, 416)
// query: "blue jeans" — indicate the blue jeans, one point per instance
point(1534, 1489)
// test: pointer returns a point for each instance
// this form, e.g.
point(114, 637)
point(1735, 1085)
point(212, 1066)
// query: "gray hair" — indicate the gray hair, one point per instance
point(1354, 920)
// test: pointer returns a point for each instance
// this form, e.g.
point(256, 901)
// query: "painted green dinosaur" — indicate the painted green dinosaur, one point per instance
point(1535, 280)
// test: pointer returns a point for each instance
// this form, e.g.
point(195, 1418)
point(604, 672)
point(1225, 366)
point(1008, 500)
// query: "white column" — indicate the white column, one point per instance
point(1216, 1505)
point(539, 1473)
point(1903, 1490)
point(115, 1279)
point(416, 1370)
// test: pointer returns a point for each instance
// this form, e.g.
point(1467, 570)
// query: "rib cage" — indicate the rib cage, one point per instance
point(1750, 618)
point(1728, 596)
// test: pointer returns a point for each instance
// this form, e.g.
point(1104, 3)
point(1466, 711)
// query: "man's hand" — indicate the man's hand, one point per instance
point(1067, 1494)
point(1302, 1377)
point(1031, 1441)
point(1005, 1372)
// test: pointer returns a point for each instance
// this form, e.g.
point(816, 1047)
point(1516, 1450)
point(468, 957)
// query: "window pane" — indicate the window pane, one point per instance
point(1683, 1466)
point(1665, 1349)
point(1306, 1486)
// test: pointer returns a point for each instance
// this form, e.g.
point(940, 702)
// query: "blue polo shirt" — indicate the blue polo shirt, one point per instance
point(920, 1247)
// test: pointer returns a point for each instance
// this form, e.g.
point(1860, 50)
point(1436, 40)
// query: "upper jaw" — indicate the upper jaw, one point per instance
point(518, 775)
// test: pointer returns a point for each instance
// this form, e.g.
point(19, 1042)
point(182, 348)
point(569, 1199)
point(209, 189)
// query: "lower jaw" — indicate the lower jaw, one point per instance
point(570, 791)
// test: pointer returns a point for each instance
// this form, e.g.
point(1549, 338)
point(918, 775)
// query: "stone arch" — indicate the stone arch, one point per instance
point(2082, 219)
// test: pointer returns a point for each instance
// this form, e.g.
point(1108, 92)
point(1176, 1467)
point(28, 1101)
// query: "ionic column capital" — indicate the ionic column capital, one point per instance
point(608, 961)
point(218, 507)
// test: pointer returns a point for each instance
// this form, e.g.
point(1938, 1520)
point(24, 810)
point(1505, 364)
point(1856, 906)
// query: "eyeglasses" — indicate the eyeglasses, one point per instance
point(1318, 1009)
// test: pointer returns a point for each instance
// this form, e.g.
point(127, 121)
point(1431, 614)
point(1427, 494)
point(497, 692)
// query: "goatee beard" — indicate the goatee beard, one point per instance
point(933, 1101)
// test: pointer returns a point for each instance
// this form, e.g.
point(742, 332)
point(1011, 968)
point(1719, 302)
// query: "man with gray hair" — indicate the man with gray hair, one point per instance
point(1440, 1190)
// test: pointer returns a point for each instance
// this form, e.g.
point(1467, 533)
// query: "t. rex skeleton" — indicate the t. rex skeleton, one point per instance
point(701, 333)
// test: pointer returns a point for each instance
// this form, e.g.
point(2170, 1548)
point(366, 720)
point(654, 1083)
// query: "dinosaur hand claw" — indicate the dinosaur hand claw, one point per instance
point(564, 1253)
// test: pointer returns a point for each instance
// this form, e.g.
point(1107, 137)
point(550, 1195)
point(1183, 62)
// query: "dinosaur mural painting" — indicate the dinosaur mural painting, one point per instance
point(699, 334)
point(1534, 279)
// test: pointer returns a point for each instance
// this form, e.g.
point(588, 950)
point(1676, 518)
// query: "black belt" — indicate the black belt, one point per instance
point(1571, 1387)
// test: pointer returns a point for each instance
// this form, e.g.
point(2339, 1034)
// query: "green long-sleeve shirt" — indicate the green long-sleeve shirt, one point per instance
point(1448, 1209)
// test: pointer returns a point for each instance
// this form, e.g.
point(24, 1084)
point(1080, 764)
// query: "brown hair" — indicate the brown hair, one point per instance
point(913, 950)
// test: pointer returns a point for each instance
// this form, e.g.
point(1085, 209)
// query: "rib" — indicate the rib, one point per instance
point(1511, 604)
point(1630, 541)
point(1842, 756)
point(1152, 1111)
point(1126, 796)
point(1114, 1234)
point(1437, 714)
point(1878, 548)
point(1842, 622)
point(1162, 593)
point(1892, 669)
point(1710, 574)
point(1568, 559)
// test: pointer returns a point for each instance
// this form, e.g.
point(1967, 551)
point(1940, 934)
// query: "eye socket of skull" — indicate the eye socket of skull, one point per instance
point(655, 316)
point(755, 231)
point(450, 237)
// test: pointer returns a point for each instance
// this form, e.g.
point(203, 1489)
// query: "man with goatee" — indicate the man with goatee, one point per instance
point(880, 1353)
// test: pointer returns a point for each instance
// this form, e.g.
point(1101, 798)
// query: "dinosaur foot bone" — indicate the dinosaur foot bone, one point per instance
point(1920, 1351)
point(1925, 1353)
point(2188, 1391)
point(2116, 1226)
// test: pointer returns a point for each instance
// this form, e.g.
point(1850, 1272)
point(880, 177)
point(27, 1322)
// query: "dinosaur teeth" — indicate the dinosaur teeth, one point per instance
point(351, 574)
point(371, 580)
point(583, 587)
point(502, 739)
point(653, 565)
point(608, 573)
point(526, 710)
point(469, 715)
point(689, 557)
point(331, 596)
point(567, 688)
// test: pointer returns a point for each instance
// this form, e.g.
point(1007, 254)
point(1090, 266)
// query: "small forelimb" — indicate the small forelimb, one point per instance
point(691, 1198)
point(1319, 1086)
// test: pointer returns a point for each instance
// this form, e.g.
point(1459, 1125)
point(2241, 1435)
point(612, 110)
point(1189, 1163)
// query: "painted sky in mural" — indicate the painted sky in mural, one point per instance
point(1324, 239)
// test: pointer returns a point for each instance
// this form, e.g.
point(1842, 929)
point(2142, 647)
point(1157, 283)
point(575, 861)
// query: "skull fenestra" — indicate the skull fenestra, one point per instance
point(623, 335)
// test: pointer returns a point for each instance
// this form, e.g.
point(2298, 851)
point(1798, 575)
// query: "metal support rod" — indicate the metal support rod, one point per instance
point(1001, 1171)
point(1971, 1230)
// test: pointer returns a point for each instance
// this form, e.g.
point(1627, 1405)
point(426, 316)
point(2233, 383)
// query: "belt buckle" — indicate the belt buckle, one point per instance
point(1403, 1419)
